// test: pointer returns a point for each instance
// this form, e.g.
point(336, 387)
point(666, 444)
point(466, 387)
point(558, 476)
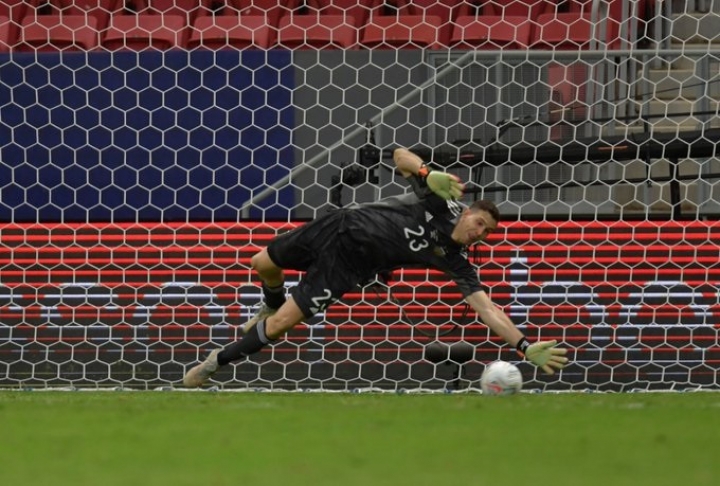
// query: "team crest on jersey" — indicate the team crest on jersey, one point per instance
point(437, 249)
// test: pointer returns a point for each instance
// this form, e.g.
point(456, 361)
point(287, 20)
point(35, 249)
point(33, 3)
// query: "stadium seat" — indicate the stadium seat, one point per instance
point(447, 10)
point(11, 13)
point(402, 24)
point(145, 31)
point(190, 10)
point(160, 24)
point(236, 24)
point(58, 33)
point(500, 24)
point(322, 24)
point(564, 31)
point(575, 29)
point(100, 10)
point(4, 34)
point(52, 25)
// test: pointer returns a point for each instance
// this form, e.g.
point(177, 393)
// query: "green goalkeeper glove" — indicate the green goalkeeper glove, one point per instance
point(544, 354)
point(445, 185)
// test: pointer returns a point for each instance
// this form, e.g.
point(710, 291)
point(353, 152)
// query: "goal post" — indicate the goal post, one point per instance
point(136, 184)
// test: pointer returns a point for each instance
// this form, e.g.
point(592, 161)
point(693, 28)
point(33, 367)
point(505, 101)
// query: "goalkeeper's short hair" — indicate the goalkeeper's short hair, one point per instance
point(488, 206)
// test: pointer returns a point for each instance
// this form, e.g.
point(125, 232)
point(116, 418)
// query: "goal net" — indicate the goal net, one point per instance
point(150, 148)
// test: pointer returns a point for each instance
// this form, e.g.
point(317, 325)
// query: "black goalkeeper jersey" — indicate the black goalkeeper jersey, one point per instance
point(413, 230)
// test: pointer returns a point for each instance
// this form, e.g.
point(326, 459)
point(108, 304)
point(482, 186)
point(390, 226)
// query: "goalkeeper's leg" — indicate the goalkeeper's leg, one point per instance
point(273, 288)
point(321, 286)
point(257, 337)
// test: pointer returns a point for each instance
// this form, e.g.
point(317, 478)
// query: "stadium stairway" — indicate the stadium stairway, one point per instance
point(676, 98)
point(677, 86)
point(642, 295)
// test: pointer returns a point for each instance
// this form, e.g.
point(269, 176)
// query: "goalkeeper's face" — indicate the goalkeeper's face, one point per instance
point(473, 227)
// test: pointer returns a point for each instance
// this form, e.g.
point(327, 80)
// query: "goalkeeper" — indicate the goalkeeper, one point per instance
point(427, 228)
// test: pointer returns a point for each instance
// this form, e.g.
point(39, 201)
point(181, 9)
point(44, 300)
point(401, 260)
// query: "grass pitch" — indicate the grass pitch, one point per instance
point(268, 439)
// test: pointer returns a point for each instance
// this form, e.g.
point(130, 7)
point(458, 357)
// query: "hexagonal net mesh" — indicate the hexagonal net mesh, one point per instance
point(150, 148)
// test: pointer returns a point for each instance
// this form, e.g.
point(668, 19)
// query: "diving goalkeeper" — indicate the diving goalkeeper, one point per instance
point(425, 228)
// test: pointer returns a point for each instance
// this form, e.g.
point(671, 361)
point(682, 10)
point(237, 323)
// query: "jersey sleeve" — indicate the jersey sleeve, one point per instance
point(465, 275)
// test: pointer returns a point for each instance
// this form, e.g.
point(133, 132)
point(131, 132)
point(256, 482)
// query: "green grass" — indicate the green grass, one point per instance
point(237, 439)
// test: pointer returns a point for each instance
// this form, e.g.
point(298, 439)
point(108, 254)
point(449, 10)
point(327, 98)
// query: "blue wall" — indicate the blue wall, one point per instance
point(144, 136)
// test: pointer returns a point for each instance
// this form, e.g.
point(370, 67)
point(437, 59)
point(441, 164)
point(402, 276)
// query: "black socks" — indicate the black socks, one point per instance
point(251, 343)
point(274, 296)
point(255, 339)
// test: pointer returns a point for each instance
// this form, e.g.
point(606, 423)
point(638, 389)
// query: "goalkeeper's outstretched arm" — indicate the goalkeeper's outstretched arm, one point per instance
point(543, 354)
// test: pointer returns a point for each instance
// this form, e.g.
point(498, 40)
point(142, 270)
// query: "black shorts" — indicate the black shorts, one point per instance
point(322, 249)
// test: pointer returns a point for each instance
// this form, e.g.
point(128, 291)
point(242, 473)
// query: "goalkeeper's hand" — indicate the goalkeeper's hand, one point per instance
point(545, 355)
point(445, 185)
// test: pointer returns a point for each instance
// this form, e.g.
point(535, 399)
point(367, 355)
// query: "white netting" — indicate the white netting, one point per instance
point(150, 148)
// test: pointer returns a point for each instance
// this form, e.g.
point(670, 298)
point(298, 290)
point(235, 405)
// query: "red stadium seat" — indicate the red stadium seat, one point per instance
point(218, 32)
point(237, 24)
point(447, 10)
point(157, 24)
point(564, 30)
point(498, 24)
point(51, 25)
point(523, 8)
point(11, 14)
point(4, 34)
point(575, 29)
point(190, 9)
point(100, 10)
point(58, 33)
point(322, 24)
point(145, 31)
point(316, 31)
point(402, 24)
point(358, 9)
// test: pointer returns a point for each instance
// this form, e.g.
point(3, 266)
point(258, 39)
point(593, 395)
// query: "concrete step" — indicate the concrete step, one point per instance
point(628, 200)
point(685, 62)
point(660, 126)
point(677, 108)
point(668, 84)
point(698, 6)
point(679, 112)
point(695, 28)
point(656, 198)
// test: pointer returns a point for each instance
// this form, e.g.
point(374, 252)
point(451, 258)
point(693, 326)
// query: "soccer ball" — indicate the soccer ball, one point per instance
point(501, 378)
